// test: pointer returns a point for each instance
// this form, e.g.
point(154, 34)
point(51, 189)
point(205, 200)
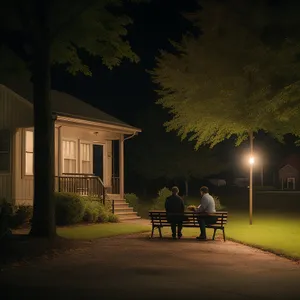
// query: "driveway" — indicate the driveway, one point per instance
point(137, 267)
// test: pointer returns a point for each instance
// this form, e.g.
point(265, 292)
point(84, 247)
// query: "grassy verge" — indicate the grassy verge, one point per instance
point(83, 232)
point(274, 232)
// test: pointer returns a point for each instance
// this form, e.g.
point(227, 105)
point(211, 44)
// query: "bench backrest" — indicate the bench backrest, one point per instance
point(159, 217)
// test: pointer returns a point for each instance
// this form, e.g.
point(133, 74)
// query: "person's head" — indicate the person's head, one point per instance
point(175, 190)
point(203, 190)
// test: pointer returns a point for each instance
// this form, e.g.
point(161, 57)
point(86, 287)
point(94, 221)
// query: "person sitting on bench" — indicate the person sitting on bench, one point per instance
point(207, 205)
point(174, 205)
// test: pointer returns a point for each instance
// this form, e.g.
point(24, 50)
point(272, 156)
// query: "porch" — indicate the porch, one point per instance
point(93, 186)
point(86, 185)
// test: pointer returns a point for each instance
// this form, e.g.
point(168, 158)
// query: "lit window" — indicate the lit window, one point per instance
point(69, 157)
point(29, 152)
point(85, 153)
point(4, 151)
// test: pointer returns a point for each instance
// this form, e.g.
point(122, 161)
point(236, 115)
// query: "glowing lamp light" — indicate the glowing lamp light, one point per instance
point(251, 160)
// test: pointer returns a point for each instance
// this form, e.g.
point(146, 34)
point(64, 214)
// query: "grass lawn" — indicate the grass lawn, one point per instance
point(100, 230)
point(273, 232)
point(278, 233)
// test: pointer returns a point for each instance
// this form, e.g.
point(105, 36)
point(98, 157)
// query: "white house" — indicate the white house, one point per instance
point(85, 139)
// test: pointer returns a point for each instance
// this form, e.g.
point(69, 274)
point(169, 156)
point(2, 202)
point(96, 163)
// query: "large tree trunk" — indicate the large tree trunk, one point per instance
point(43, 222)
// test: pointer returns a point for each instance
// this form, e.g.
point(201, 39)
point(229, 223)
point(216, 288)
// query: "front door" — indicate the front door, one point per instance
point(291, 183)
point(98, 160)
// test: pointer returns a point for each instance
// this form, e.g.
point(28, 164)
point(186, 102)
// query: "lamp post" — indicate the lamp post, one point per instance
point(251, 162)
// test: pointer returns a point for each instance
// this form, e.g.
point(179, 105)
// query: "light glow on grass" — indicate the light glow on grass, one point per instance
point(274, 232)
point(94, 231)
point(278, 233)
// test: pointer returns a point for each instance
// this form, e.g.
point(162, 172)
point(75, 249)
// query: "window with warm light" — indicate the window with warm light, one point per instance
point(69, 157)
point(86, 163)
point(28, 152)
point(4, 151)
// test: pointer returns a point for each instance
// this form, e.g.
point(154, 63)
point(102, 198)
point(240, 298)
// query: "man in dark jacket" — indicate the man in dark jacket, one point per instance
point(175, 208)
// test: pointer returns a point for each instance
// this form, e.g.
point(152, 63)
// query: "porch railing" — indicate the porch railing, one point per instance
point(82, 184)
point(115, 185)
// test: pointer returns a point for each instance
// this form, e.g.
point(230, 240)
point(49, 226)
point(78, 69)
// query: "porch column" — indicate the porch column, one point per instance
point(121, 165)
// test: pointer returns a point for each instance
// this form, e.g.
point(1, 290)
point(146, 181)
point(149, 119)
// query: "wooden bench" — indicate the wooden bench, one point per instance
point(159, 220)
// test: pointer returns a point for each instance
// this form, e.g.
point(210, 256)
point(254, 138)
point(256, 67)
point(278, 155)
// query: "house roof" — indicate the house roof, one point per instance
point(67, 105)
point(292, 160)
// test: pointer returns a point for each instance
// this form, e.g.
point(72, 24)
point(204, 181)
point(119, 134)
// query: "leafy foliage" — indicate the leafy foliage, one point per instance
point(132, 200)
point(22, 216)
point(159, 202)
point(72, 208)
point(218, 204)
point(6, 211)
point(91, 212)
point(95, 27)
point(69, 208)
point(229, 81)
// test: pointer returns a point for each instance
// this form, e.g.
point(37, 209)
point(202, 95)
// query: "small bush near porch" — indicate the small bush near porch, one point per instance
point(72, 209)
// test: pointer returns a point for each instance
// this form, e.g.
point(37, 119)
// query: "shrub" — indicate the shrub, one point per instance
point(91, 212)
point(159, 202)
point(21, 216)
point(108, 204)
point(132, 200)
point(113, 218)
point(69, 208)
point(218, 204)
point(6, 211)
point(103, 216)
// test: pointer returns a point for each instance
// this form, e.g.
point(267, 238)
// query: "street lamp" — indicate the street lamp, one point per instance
point(251, 163)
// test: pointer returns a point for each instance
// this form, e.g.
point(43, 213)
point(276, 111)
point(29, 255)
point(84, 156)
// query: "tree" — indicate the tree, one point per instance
point(155, 154)
point(230, 81)
point(42, 33)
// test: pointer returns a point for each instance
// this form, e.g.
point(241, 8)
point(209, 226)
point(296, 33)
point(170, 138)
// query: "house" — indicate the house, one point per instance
point(89, 148)
point(289, 173)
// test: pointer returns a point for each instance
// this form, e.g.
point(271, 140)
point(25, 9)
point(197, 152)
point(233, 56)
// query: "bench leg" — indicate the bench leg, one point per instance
point(215, 230)
point(159, 229)
point(152, 231)
point(224, 234)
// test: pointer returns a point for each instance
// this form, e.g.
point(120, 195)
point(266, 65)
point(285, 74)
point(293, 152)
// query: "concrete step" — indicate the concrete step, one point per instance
point(123, 209)
point(121, 205)
point(120, 201)
point(124, 213)
point(128, 218)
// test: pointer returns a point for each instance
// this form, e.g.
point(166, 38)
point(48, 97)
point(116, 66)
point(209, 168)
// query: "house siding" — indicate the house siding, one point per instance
point(15, 112)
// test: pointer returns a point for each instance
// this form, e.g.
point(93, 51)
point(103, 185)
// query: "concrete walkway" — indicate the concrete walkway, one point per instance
point(137, 267)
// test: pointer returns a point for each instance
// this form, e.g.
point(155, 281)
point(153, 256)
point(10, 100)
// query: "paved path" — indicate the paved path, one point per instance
point(137, 267)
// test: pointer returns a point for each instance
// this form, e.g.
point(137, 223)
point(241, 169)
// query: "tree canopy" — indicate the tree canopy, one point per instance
point(230, 80)
point(95, 27)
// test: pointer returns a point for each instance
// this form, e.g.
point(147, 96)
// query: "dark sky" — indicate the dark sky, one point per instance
point(127, 89)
